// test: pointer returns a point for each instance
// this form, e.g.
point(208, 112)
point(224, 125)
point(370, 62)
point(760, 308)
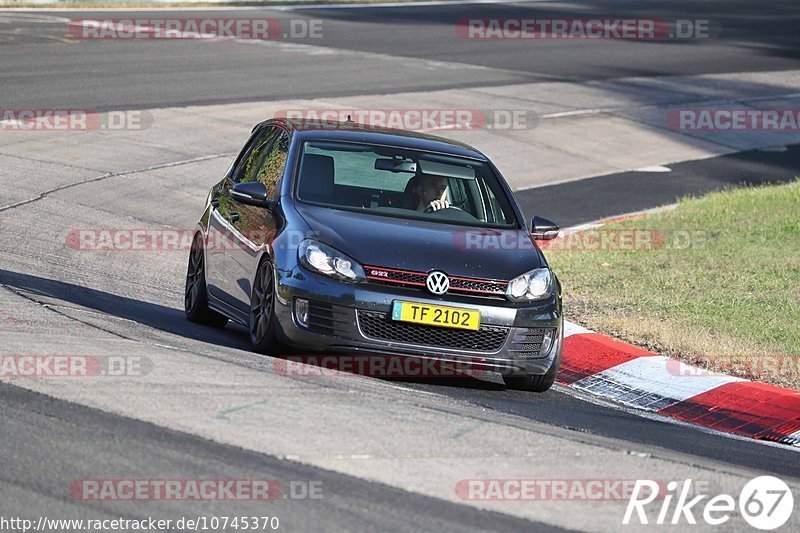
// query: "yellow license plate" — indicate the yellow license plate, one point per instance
point(436, 315)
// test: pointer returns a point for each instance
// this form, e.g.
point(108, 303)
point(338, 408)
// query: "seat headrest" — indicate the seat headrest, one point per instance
point(412, 183)
point(316, 176)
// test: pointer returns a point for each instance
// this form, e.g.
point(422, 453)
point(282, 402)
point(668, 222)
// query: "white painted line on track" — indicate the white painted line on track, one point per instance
point(602, 221)
point(653, 168)
point(577, 112)
point(9, 18)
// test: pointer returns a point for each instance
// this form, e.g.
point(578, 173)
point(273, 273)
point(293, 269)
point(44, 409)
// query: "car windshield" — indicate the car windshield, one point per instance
point(403, 183)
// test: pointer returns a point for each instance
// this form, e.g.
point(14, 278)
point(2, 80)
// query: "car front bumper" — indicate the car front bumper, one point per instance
point(354, 318)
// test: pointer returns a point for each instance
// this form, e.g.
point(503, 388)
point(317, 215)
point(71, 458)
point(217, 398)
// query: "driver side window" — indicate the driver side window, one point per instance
point(273, 164)
point(266, 160)
point(252, 159)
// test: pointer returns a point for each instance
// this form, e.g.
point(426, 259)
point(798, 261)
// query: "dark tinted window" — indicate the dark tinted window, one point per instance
point(400, 182)
point(267, 163)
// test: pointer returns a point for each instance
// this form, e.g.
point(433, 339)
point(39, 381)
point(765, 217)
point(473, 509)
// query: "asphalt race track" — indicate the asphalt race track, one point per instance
point(389, 454)
point(48, 68)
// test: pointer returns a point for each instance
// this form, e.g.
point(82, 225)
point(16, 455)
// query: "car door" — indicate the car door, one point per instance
point(219, 238)
point(256, 226)
point(215, 244)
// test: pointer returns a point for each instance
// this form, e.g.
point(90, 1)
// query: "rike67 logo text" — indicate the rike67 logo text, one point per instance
point(765, 503)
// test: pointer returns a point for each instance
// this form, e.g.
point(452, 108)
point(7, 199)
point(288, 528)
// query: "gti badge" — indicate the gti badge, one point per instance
point(437, 282)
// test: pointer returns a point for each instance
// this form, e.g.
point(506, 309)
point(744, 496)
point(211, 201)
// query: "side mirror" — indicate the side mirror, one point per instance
point(543, 230)
point(251, 193)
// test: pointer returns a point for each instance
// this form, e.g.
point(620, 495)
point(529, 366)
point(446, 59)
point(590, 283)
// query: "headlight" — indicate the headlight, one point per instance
point(329, 261)
point(534, 285)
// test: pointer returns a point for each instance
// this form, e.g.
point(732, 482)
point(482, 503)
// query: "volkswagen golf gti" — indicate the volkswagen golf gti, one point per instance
point(341, 238)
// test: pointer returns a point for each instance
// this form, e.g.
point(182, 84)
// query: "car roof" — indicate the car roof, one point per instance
point(356, 132)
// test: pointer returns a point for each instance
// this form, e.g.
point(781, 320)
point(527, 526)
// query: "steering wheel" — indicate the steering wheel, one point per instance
point(429, 209)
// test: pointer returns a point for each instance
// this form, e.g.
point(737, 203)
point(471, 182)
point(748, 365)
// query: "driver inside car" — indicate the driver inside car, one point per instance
point(431, 191)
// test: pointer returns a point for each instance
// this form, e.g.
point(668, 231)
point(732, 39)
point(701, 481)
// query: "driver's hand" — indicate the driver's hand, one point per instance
point(438, 204)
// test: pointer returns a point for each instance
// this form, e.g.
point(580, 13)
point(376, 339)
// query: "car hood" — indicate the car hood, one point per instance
point(422, 246)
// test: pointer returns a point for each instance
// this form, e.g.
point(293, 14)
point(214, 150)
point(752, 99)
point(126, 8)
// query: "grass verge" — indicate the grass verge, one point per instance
point(714, 282)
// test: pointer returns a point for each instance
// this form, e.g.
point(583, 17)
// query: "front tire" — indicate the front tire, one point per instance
point(531, 382)
point(195, 300)
point(263, 324)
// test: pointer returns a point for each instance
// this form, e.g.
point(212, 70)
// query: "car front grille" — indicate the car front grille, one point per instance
point(378, 326)
point(492, 287)
point(409, 278)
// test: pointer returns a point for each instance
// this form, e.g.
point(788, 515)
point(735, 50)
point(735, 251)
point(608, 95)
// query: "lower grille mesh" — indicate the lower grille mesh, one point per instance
point(527, 342)
point(329, 319)
point(377, 325)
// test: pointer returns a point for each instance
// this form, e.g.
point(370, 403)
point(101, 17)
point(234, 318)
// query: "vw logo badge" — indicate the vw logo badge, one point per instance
point(437, 282)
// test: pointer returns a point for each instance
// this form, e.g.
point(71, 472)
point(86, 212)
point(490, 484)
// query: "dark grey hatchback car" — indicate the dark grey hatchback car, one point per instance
point(347, 239)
